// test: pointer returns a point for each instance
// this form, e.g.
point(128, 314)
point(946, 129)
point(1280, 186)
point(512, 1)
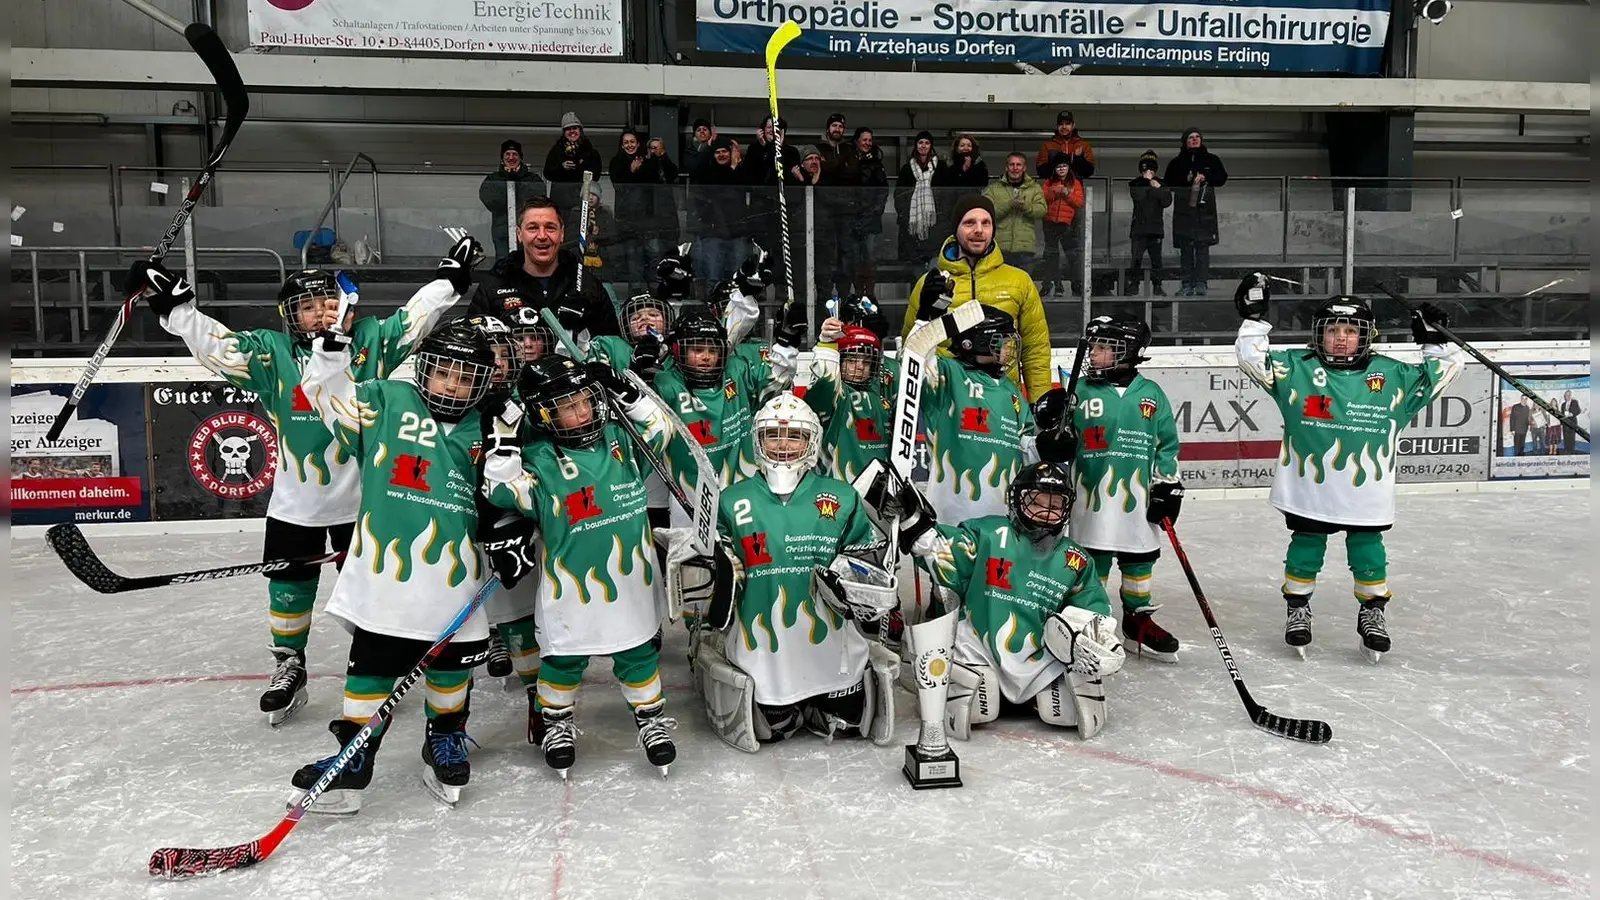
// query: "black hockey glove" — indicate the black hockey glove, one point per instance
point(570, 311)
point(614, 384)
point(332, 342)
point(1425, 322)
point(675, 272)
point(510, 548)
point(1252, 296)
point(456, 266)
point(755, 273)
point(725, 578)
point(791, 332)
point(161, 289)
point(1059, 445)
point(648, 354)
point(938, 289)
point(1166, 499)
point(1050, 410)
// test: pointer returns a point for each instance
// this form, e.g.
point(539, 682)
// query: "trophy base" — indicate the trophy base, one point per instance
point(925, 771)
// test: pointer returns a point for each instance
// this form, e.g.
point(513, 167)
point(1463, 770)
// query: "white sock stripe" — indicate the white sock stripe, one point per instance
point(361, 710)
point(446, 699)
point(289, 624)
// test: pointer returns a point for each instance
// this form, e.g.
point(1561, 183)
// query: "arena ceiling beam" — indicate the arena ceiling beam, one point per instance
point(339, 74)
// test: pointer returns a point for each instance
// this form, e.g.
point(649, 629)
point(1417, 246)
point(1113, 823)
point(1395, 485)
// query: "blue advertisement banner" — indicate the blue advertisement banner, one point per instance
point(1272, 36)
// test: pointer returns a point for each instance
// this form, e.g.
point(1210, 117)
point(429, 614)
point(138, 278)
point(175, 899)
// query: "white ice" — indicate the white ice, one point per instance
point(1459, 766)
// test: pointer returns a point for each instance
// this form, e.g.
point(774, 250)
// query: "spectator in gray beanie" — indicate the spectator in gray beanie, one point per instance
point(570, 156)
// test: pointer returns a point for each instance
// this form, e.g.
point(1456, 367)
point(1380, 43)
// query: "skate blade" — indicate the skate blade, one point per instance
point(279, 716)
point(1373, 655)
point(1143, 652)
point(448, 794)
point(563, 773)
point(329, 803)
point(1301, 650)
point(664, 770)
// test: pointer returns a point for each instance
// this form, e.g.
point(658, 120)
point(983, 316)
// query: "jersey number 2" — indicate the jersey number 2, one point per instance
point(741, 512)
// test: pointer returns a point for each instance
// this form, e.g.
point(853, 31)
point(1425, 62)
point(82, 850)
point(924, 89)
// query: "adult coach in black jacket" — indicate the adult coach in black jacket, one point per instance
point(546, 275)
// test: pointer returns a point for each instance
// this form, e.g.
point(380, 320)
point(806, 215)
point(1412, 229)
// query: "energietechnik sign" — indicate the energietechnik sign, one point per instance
point(1275, 36)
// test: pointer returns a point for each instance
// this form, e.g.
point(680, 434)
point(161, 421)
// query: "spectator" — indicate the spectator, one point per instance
point(835, 256)
point(981, 274)
point(831, 209)
point(716, 212)
point(870, 200)
point(492, 193)
point(544, 274)
point(1569, 434)
point(1194, 214)
point(1146, 229)
point(838, 154)
point(1064, 191)
point(915, 208)
point(1552, 428)
point(630, 180)
point(1019, 206)
point(662, 177)
point(564, 166)
point(758, 170)
point(698, 149)
point(1068, 141)
point(963, 173)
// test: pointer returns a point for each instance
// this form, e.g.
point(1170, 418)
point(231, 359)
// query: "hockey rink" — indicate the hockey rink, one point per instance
point(1459, 766)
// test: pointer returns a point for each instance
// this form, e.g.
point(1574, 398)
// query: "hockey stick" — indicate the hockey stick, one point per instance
point(1309, 730)
point(920, 344)
point(583, 231)
point(702, 511)
point(785, 33)
point(69, 543)
point(177, 862)
point(1564, 418)
point(236, 101)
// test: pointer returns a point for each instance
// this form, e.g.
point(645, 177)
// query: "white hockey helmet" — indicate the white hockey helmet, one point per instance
point(788, 440)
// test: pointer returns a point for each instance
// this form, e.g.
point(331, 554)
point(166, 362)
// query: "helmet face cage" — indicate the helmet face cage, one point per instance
point(533, 341)
point(291, 307)
point(1116, 344)
point(1040, 510)
point(859, 364)
point(1003, 347)
point(451, 386)
point(575, 416)
point(1333, 316)
point(507, 355)
point(690, 353)
point(644, 313)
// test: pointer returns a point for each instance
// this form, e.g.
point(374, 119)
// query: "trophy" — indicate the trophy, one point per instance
point(930, 763)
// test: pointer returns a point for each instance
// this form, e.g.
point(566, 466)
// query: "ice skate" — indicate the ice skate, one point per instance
point(535, 720)
point(1297, 630)
point(286, 690)
point(499, 661)
point(446, 770)
point(653, 736)
point(1141, 634)
point(1370, 625)
point(559, 742)
point(343, 795)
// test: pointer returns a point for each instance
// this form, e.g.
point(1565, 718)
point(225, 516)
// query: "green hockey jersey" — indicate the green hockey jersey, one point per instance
point(1008, 585)
point(855, 421)
point(414, 559)
point(315, 483)
point(720, 419)
point(1127, 440)
point(792, 645)
point(1340, 426)
point(980, 434)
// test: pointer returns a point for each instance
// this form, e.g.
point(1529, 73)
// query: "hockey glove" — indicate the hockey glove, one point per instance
point(161, 289)
point(509, 546)
point(755, 273)
point(456, 266)
point(332, 342)
point(938, 289)
point(724, 587)
point(916, 515)
point(1059, 445)
point(570, 311)
point(675, 274)
point(791, 332)
point(1252, 296)
point(1085, 641)
point(1166, 499)
point(614, 384)
point(648, 354)
point(1425, 323)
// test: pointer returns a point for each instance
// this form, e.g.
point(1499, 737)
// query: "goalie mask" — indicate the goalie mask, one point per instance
point(565, 401)
point(1039, 500)
point(1342, 331)
point(700, 350)
point(788, 439)
point(454, 368)
point(858, 590)
point(1115, 347)
point(860, 356)
point(534, 338)
point(990, 345)
point(306, 302)
point(642, 314)
point(507, 353)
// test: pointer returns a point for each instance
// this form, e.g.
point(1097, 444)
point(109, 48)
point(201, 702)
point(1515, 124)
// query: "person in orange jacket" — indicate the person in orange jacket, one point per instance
point(1067, 140)
point(1063, 196)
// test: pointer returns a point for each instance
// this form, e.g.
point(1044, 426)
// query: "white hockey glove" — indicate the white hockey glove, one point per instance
point(1085, 641)
point(502, 460)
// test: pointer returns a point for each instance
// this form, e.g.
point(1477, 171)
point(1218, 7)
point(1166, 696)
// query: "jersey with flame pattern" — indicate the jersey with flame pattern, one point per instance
point(855, 421)
point(980, 434)
point(1127, 439)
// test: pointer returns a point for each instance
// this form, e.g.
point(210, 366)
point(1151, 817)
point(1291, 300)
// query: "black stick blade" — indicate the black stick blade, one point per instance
point(179, 862)
point(1309, 730)
point(67, 540)
point(209, 47)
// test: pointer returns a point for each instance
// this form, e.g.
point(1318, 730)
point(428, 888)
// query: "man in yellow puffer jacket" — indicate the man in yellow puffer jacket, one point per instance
point(981, 272)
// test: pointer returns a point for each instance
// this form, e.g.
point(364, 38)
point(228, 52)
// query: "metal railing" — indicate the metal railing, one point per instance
point(333, 207)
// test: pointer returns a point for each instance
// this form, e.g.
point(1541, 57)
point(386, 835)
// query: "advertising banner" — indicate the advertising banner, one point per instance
point(98, 471)
point(569, 28)
point(212, 451)
point(1270, 36)
point(1531, 443)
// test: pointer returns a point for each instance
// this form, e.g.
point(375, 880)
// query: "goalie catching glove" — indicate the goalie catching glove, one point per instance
point(858, 590)
point(1085, 641)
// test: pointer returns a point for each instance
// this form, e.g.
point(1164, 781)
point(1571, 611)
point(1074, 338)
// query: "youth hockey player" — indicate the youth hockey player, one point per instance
point(315, 490)
point(796, 655)
point(1034, 624)
point(1125, 440)
point(852, 392)
point(1343, 407)
point(414, 561)
point(582, 485)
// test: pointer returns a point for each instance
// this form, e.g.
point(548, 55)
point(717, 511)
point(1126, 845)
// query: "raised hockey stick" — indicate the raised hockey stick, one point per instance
point(236, 102)
point(1309, 730)
point(785, 33)
point(920, 344)
point(176, 862)
point(69, 543)
point(1565, 419)
point(583, 231)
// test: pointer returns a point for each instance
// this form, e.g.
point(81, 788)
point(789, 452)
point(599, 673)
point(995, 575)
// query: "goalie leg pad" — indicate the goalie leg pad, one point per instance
point(973, 700)
point(1089, 702)
point(1085, 641)
point(730, 698)
point(1056, 704)
point(883, 669)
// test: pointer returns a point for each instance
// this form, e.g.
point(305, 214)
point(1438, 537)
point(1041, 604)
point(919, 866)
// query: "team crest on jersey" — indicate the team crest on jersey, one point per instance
point(616, 451)
point(1016, 404)
point(1375, 382)
point(766, 354)
point(1147, 407)
point(730, 391)
point(360, 358)
point(1076, 561)
point(887, 404)
point(475, 452)
point(827, 506)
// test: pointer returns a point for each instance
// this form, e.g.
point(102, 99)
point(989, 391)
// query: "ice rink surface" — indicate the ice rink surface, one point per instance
point(1459, 766)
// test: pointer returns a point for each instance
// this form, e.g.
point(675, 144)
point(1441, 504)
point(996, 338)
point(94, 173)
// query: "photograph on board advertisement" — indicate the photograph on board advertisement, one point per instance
point(97, 471)
point(1532, 443)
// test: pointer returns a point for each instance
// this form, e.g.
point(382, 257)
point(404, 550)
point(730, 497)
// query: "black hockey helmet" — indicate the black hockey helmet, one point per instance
point(1354, 326)
point(567, 404)
point(994, 337)
point(861, 309)
point(305, 289)
point(455, 366)
point(643, 313)
point(1040, 499)
point(695, 332)
point(535, 338)
point(1124, 336)
point(507, 352)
